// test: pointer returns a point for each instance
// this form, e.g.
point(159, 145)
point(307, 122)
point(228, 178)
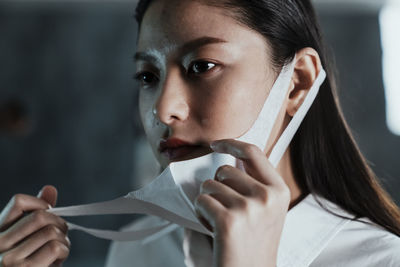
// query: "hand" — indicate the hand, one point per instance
point(30, 236)
point(245, 210)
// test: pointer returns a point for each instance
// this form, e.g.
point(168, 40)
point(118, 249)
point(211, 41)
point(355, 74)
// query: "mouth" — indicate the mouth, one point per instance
point(175, 149)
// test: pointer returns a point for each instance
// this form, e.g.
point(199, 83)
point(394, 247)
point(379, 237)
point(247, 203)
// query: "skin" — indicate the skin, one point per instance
point(206, 104)
point(30, 236)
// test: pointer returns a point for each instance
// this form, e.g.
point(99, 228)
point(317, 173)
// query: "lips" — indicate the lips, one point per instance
point(176, 149)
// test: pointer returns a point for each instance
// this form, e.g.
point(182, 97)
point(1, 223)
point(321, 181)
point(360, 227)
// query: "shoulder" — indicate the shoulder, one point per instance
point(361, 243)
point(373, 241)
point(165, 250)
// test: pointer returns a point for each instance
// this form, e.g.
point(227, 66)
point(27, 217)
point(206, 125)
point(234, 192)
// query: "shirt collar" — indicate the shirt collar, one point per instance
point(307, 231)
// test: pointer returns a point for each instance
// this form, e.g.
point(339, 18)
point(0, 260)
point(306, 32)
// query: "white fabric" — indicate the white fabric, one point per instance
point(197, 249)
point(311, 237)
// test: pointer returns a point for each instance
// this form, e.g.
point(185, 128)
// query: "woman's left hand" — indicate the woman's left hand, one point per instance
point(246, 210)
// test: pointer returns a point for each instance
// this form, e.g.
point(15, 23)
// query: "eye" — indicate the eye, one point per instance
point(145, 78)
point(201, 67)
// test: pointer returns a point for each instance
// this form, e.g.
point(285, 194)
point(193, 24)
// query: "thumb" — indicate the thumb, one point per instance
point(48, 194)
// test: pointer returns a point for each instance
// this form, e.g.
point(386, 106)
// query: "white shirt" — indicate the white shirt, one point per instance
point(311, 236)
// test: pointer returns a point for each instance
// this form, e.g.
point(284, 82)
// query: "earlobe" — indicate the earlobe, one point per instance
point(307, 68)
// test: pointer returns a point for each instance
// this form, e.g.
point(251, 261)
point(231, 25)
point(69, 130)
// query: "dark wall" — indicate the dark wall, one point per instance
point(355, 40)
point(66, 70)
point(70, 105)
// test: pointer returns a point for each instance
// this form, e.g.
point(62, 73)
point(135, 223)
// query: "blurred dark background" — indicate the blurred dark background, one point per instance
point(68, 110)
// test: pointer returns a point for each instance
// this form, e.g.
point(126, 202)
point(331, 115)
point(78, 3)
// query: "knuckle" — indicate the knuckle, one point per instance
point(56, 247)
point(251, 150)
point(40, 217)
point(18, 201)
point(52, 231)
point(260, 193)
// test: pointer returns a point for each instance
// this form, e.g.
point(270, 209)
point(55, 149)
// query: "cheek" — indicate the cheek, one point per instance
point(145, 105)
point(147, 117)
point(152, 130)
point(233, 104)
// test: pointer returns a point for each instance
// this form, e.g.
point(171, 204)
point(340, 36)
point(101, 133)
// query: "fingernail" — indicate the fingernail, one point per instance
point(40, 193)
point(68, 241)
point(49, 207)
point(214, 145)
point(219, 177)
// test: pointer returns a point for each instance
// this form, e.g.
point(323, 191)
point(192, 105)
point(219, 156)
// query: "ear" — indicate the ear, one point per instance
point(306, 70)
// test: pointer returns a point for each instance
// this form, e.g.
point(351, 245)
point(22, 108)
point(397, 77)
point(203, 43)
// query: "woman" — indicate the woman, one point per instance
point(205, 69)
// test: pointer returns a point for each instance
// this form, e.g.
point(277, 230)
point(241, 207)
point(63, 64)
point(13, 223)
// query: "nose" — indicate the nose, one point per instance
point(172, 105)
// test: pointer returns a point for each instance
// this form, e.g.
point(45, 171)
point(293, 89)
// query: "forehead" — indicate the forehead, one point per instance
point(168, 24)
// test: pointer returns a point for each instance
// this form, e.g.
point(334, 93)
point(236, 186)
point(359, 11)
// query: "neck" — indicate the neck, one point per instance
point(285, 169)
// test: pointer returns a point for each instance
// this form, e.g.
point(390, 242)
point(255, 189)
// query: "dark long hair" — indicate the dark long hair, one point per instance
point(327, 161)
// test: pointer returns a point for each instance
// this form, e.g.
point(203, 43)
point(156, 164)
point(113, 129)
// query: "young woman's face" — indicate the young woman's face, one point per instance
point(202, 76)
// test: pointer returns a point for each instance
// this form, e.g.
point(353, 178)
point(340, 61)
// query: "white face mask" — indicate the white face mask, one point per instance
point(171, 194)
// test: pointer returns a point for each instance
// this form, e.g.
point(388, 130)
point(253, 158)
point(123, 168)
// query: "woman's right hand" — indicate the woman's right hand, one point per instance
point(31, 236)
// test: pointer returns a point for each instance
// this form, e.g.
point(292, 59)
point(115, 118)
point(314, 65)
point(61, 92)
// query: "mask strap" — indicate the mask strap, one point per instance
point(259, 133)
point(287, 136)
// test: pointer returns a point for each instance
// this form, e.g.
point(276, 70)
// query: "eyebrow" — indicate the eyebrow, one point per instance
point(189, 46)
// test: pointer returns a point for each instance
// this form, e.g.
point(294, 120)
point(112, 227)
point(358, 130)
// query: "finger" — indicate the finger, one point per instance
point(51, 252)
point(37, 240)
point(224, 194)
point(18, 206)
point(254, 160)
point(239, 181)
point(27, 226)
point(49, 194)
point(209, 208)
